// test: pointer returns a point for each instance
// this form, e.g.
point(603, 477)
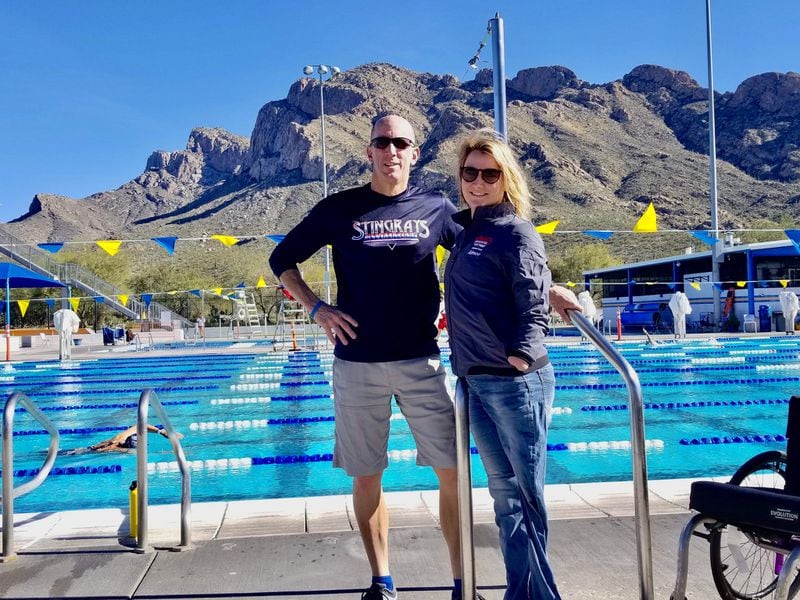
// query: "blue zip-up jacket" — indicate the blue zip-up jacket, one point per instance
point(496, 292)
point(384, 259)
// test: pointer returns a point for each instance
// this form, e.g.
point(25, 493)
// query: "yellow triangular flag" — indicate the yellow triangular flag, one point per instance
point(74, 303)
point(441, 285)
point(784, 282)
point(123, 299)
point(261, 283)
point(439, 255)
point(23, 306)
point(741, 283)
point(110, 246)
point(548, 228)
point(647, 222)
point(173, 292)
point(217, 291)
point(695, 285)
point(570, 284)
point(228, 240)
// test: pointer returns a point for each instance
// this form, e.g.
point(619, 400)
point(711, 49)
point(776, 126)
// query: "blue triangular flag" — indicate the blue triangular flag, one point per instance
point(718, 286)
point(147, 299)
point(241, 285)
point(794, 235)
point(195, 292)
point(276, 237)
point(602, 235)
point(100, 299)
point(704, 237)
point(52, 248)
point(51, 303)
point(167, 243)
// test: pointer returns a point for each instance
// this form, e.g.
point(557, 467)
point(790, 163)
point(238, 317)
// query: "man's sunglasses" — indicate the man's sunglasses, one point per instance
point(470, 174)
point(382, 142)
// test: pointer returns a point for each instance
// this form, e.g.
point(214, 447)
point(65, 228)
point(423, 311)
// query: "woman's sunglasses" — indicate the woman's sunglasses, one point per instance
point(382, 142)
point(470, 174)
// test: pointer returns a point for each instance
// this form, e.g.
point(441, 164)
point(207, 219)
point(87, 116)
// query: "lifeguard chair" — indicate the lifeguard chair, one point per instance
point(294, 329)
point(245, 313)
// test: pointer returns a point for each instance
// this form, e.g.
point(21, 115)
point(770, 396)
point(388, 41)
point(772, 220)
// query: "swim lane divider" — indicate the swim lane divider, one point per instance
point(736, 439)
point(675, 405)
point(70, 471)
point(610, 386)
point(109, 405)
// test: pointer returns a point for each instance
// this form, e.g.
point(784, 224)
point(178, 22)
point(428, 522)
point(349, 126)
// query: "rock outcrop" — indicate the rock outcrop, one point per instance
point(595, 154)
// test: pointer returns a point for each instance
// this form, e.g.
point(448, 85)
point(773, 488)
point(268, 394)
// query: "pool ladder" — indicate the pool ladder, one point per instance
point(150, 398)
point(641, 500)
point(9, 492)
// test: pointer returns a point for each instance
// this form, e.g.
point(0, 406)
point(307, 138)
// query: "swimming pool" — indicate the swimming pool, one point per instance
point(259, 425)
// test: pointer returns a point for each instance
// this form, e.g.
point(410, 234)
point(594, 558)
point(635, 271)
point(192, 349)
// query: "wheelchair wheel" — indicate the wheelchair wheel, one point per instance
point(742, 570)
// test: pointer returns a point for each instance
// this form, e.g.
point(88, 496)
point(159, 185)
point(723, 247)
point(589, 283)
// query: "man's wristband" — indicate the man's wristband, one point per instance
point(314, 310)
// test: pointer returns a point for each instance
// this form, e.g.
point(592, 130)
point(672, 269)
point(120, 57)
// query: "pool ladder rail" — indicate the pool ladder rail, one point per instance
point(150, 398)
point(641, 500)
point(9, 491)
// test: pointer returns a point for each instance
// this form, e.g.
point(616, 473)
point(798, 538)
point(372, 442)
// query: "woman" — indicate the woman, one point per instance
point(496, 295)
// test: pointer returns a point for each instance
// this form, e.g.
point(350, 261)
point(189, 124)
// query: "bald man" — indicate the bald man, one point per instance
point(383, 326)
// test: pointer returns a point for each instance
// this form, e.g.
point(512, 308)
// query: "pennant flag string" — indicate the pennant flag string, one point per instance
point(647, 223)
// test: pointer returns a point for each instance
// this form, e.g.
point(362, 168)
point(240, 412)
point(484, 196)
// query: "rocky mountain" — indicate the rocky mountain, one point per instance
point(596, 155)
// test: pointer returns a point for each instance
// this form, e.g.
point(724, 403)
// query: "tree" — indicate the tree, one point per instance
point(570, 264)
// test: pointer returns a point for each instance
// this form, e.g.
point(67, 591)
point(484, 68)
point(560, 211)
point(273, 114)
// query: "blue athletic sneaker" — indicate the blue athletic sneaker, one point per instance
point(378, 591)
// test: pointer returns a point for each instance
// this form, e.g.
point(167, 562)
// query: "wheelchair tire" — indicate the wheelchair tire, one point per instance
point(766, 470)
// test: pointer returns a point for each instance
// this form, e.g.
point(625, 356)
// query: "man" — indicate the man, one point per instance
point(384, 237)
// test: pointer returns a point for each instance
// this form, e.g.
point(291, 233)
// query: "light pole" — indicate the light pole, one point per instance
point(324, 70)
point(712, 160)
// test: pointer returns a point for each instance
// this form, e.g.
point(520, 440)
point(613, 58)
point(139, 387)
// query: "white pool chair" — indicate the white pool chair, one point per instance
point(45, 339)
point(750, 324)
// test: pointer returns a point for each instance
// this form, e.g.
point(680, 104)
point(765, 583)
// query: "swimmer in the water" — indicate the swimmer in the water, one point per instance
point(124, 441)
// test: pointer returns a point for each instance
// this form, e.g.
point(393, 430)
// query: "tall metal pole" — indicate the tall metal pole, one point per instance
point(499, 75)
point(324, 182)
point(712, 172)
point(323, 70)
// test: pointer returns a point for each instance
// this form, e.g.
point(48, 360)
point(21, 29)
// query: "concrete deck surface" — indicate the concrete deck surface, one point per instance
point(308, 548)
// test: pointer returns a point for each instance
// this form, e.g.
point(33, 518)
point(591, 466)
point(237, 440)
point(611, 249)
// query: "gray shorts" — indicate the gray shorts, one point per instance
point(362, 398)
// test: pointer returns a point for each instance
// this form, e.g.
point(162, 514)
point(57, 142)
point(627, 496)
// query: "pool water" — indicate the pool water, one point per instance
point(260, 425)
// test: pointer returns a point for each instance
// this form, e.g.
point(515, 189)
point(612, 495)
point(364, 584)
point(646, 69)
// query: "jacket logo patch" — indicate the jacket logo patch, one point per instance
point(479, 245)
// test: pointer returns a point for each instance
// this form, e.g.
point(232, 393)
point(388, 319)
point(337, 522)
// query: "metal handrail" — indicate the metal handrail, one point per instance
point(147, 398)
point(9, 491)
point(464, 470)
point(641, 505)
point(140, 345)
point(644, 544)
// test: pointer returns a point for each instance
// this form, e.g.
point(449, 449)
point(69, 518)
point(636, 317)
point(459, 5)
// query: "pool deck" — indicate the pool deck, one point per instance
point(308, 548)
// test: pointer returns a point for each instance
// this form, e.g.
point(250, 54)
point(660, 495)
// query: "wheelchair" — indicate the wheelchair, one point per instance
point(752, 525)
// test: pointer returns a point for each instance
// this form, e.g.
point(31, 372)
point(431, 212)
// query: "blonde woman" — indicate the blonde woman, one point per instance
point(496, 293)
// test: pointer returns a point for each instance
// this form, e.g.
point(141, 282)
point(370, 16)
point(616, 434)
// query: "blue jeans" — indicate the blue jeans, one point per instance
point(508, 418)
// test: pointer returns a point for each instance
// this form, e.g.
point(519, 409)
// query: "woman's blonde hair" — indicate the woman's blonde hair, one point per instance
point(515, 186)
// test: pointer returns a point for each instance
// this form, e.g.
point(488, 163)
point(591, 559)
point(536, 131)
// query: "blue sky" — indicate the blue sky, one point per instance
point(89, 88)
